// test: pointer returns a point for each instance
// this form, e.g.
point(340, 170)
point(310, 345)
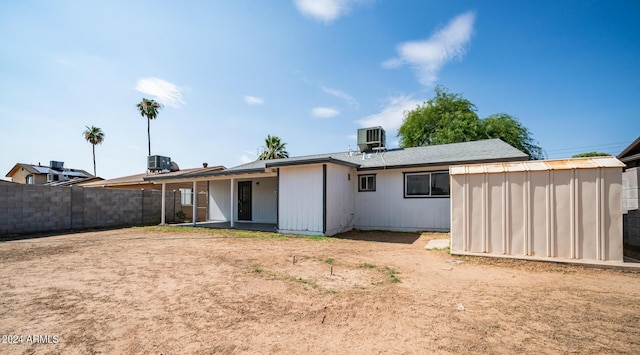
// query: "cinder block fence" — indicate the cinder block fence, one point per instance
point(33, 208)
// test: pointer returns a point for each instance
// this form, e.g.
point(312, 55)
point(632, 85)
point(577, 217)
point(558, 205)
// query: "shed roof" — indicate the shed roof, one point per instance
point(538, 165)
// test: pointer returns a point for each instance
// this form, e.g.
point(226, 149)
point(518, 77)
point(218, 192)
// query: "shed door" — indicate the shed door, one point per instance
point(244, 200)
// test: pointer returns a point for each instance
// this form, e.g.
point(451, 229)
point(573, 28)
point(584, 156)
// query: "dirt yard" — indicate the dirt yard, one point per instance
point(152, 291)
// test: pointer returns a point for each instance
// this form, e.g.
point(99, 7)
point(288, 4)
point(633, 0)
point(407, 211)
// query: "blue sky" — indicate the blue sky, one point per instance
point(309, 71)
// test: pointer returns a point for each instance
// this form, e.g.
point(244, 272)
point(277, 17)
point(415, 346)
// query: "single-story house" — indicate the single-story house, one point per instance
point(325, 194)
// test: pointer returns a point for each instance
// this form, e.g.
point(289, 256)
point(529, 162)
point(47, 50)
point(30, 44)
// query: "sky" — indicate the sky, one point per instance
point(311, 72)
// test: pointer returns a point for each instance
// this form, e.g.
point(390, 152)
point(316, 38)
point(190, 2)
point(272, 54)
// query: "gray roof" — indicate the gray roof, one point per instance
point(483, 151)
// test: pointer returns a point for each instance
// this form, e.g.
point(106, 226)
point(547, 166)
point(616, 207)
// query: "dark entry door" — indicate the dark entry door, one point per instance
point(244, 200)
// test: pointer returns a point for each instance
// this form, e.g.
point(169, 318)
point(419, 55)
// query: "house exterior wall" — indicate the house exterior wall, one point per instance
point(631, 208)
point(264, 197)
point(559, 214)
point(386, 208)
point(630, 189)
point(301, 200)
point(219, 200)
point(20, 177)
point(340, 206)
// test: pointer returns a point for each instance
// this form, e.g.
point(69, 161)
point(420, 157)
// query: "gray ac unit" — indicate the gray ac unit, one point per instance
point(157, 162)
point(370, 138)
point(57, 165)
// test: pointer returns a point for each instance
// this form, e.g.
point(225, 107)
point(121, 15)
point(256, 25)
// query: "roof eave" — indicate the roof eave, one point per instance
point(311, 161)
point(444, 163)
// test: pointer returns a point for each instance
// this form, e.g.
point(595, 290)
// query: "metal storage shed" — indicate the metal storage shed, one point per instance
point(561, 210)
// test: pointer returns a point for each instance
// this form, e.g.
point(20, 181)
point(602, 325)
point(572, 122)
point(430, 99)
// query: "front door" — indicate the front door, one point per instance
point(244, 200)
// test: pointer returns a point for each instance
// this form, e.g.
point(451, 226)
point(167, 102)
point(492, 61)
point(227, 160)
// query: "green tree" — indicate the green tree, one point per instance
point(591, 154)
point(149, 109)
point(446, 118)
point(93, 135)
point(450, 118)
point(510, 130)
point(273, 149)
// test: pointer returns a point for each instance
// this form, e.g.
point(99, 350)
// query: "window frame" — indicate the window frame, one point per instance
point(430, 184)
point(184, 193)
point(366, 176)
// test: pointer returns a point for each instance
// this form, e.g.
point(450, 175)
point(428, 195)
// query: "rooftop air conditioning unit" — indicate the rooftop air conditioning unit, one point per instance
point(57, 165)
point(370, 139)
point(158, 163)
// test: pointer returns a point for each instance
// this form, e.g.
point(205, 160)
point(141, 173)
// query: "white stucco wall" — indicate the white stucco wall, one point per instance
point(264, 200)
point(341, 187)
point(301, 199)
point(387, 209)
point(219, 200)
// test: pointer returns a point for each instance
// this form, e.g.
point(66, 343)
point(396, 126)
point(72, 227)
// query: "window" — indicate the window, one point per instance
point(366, 183)
point(185, 197)
point(426, 184)
point(29, 179)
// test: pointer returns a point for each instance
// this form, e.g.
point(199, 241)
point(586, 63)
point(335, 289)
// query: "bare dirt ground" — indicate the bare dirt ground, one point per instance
point(142, 290)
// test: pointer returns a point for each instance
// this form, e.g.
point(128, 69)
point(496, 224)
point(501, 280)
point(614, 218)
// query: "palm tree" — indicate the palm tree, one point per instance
point(94, 135)
point(273, 149)
point(149, 109)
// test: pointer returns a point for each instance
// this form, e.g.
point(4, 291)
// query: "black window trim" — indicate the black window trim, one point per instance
point(360, 176)
point(404, 183)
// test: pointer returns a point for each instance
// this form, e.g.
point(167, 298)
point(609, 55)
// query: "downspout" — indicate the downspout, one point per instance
point(324, 199)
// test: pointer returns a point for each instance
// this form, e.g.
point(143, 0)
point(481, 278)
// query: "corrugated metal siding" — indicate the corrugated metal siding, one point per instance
point(264, 200)
point(387, 209)
point(341, 184)
point(219, 200)
point(301, 206)
point(564, 212)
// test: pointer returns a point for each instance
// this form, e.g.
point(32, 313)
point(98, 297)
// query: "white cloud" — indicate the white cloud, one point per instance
point(248, 156)
point(324, 10)
point(161, 90)
point(428, 57)
point(392, 114)
point(245, 158)
point(342, 95)
point(324, 112)
point(253, 100)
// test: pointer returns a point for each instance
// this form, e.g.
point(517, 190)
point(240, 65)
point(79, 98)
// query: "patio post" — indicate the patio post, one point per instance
point(231, 203)
point(195, 203)
point(164, 191)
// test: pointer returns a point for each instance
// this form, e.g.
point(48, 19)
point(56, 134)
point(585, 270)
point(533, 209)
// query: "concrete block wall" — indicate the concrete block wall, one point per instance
point(33, 208)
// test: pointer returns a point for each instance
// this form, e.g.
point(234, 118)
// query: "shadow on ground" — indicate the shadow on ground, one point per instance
point(380, 236)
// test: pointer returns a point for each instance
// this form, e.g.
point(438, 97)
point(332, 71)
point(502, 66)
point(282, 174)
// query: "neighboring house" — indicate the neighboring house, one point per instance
point(54, 174)
point(631, 195)
point(325, 194)
point(182, 191)
point(631, 155)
